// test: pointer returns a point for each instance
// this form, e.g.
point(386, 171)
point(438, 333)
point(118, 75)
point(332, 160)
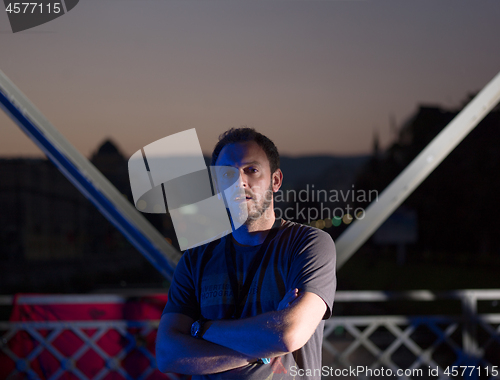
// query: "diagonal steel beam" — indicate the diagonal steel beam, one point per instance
point(418, 170)
point(88, 180)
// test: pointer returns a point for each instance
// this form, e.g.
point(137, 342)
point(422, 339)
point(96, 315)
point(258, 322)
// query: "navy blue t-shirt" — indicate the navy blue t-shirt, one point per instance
point(297, 257)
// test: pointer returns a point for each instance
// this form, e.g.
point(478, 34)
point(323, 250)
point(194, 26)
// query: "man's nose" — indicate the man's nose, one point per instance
point(242, 180)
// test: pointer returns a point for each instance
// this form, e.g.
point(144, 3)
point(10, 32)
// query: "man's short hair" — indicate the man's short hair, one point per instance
point(238, 135)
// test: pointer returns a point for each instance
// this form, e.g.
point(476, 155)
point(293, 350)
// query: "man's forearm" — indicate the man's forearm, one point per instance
point(274, 333)
point(181, 353)
point(259, 336)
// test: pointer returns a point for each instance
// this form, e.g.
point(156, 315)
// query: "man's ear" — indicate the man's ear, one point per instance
point(277, 180)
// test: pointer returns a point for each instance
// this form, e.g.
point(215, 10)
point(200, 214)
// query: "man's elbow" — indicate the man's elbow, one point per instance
point(165, 358)
point(162, 366)
point(162, 361)
point(301, 320)
point(292, 340)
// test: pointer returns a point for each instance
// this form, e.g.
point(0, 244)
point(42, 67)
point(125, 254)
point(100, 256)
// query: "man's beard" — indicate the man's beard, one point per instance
point(259, 206)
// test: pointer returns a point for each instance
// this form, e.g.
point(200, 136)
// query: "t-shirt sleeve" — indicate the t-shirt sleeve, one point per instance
point(313, 266)
point(182, 293)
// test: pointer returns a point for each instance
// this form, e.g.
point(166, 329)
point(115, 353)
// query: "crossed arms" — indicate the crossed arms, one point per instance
point(229, 344)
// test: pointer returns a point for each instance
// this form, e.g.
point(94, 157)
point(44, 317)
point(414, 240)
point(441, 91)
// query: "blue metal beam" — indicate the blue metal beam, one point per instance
point(88, 180)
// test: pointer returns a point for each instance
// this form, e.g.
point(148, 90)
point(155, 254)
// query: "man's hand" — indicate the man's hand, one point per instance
point(288, 299)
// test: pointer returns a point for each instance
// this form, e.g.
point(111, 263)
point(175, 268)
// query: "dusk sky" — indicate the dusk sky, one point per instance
point(317, 77)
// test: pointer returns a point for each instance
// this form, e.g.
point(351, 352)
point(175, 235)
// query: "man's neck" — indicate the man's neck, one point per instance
point(256, 232)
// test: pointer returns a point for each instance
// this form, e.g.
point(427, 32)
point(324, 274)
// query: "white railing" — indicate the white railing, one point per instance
point(44, 347)
point(424, 346)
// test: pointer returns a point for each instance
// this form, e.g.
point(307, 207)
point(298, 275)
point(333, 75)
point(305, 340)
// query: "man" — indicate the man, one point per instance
point(261, 292)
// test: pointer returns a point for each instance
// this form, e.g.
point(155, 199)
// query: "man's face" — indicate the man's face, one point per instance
point(252, 164)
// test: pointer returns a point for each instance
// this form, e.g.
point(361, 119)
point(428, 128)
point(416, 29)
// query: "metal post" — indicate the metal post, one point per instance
point(469, 330)
point(418, 170)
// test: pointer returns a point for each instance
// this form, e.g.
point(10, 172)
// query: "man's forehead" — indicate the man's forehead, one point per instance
point(244, 153)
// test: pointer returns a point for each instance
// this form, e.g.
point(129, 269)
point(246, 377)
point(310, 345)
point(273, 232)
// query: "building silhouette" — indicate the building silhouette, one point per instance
point(456, 206)
point(50, 234)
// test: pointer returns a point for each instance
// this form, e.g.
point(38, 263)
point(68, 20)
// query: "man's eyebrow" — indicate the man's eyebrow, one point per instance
point(254, 163)
point(228, 163)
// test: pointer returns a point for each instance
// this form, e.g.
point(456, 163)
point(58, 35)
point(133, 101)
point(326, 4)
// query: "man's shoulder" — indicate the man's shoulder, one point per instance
point(299, 231)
